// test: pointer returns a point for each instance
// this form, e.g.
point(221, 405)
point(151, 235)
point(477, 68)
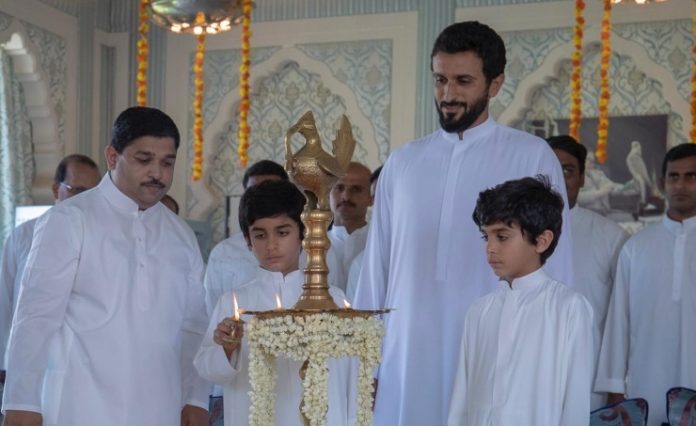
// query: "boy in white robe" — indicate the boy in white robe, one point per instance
point(269, 216)
point(526, 355)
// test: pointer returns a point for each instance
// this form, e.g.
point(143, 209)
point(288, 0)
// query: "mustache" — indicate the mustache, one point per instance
point(346, 203)
point(444, 104)
point(153, 182)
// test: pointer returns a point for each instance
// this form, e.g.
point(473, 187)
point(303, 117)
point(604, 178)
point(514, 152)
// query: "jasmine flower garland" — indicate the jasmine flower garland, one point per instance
point(313, 338)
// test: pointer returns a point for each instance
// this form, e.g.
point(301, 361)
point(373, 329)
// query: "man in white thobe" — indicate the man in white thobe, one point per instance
point(649, 343)
point(231, 263)
point(424, 257)
point(349, 198)
point(75, 174)
point(597, 242)
point(112, 309)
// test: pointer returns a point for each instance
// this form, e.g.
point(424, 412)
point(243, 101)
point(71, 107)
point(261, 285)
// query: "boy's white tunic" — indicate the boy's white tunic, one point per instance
point(597, 242)
point(526, 357)
point(425, 257)
point(233, 374)
point(110, 315)
point(649, 338)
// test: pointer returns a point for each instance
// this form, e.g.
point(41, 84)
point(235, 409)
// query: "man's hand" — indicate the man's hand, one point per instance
point(22, 418)
point(228, 334)
point(194, 416)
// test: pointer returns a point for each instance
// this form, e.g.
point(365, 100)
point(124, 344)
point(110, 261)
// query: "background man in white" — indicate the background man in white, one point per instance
point(423, 256)
point(349, 198)
point(111, 310)
point(356, 265)
point(649, 341)
point(597, 242)
point(75, 174)
point(231, 262)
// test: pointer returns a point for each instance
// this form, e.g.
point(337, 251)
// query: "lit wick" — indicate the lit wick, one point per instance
point(346, 304)
point(236, 307)
point(279, 306)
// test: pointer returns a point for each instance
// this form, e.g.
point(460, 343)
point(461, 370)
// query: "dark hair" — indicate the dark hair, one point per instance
point(264, 167)
point(529, 202)
point(473, 36)
point(571, 146)
point(62, 169)
point(678, 152)
point(269, 199)
point(375, 175)
point(136, 122)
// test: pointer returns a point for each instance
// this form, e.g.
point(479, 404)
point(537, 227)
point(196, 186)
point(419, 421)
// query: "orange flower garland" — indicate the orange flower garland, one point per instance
point(692, 134)
point(142, 55)
point(244, 85)
point(605, 57)
point(576, 76)
point(197, 165)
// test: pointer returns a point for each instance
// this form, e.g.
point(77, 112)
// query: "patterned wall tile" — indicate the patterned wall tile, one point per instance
point(279, 100)
point(52, 54)
point(365, 67)
point(5, 21)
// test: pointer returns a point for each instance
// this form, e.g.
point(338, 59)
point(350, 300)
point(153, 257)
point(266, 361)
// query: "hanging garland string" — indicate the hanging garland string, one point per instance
point(197, 165)
point(605, 57)
point(576, 75)
point(143, 49)
point(244, 103)
point(692, 133)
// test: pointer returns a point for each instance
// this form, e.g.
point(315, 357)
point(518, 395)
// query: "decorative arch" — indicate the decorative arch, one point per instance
point(327, 96)
point(47, 147)
point(552, 68)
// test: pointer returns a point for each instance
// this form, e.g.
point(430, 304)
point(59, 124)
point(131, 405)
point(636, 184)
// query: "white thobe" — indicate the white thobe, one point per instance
point(231, 264)
point(345, 247)
point(425, 257)
point(526, 357)
point(353, 275)
point(597, 242)
point(110, 315)
point(233, 374)
point(14, 257)
point(649, 344)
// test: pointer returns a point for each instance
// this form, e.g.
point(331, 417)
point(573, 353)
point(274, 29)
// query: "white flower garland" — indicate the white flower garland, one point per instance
point(315, 338)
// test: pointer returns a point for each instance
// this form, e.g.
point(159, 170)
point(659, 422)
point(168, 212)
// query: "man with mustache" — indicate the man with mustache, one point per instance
point(112, 311)
point(349, 198)
point(423, 257)
point(649, 344)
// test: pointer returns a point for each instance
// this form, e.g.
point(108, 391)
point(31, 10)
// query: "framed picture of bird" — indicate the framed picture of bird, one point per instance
point(626, 187)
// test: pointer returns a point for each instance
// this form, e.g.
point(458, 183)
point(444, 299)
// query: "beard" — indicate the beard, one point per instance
point(451, 124)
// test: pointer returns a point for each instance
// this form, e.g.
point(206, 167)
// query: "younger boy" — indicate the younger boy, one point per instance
point(526, 353)
point(269, 216)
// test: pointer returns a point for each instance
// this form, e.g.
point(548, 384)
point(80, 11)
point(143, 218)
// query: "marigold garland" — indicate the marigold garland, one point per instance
point(143, 50)
point(576, 75)
point(605, 57)
point(692, 134)
point(244, 85)
point(197, 165)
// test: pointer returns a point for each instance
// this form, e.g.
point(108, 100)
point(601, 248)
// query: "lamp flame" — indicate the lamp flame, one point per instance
point(236, 307)
point(279, 305)
point(346, 304)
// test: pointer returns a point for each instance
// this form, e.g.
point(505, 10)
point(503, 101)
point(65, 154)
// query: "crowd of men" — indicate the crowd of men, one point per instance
point(109, 315)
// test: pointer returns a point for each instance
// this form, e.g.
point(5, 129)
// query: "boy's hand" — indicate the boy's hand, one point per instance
point(228, 334)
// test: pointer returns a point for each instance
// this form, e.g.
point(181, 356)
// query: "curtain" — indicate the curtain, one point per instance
point(16, 149)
